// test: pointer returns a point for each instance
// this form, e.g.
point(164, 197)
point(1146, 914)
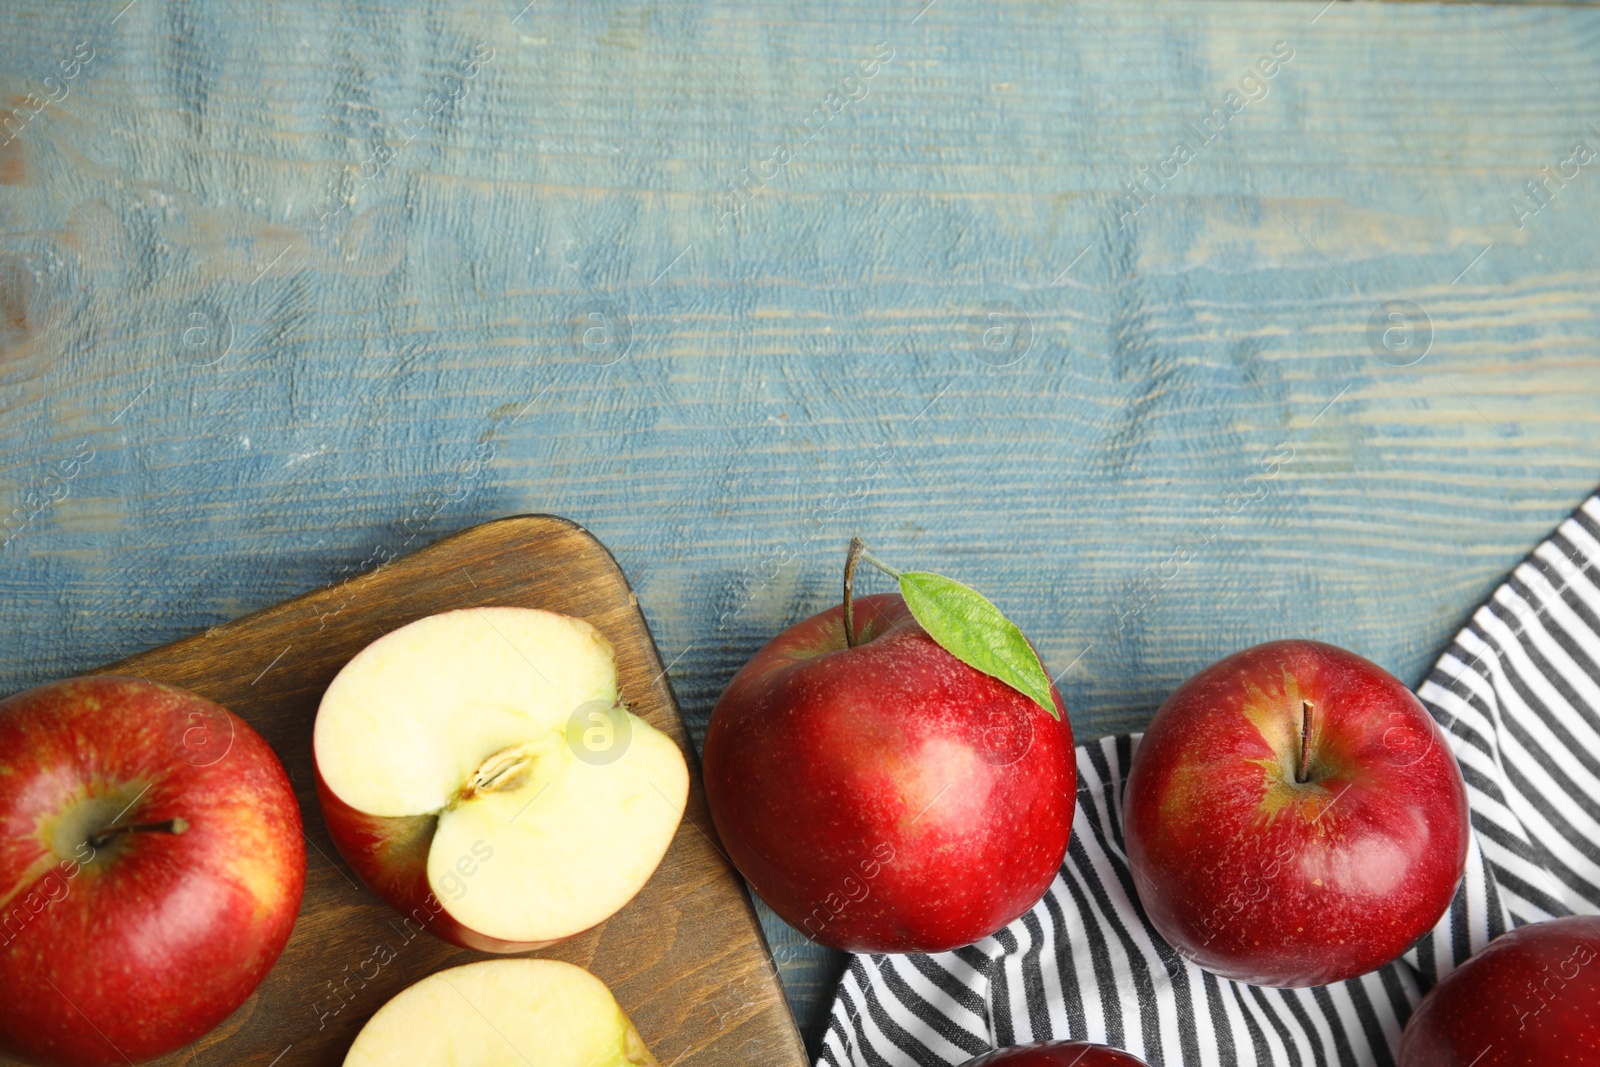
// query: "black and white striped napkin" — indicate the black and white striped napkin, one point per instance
point(1518, 693)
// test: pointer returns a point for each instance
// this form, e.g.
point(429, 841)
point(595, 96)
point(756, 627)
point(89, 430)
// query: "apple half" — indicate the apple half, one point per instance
point(478, 770)
point(533, 1013)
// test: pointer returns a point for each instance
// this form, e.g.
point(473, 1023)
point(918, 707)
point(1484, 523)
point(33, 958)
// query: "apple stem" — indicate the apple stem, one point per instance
point(857, 553)
point(166, 826)
point(1303, 774)
point(852, 557)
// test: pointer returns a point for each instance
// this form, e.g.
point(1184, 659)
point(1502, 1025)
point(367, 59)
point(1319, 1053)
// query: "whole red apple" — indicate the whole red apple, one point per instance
point(1532, 996)
point(1057, 1054)
point(151, 866)
point(1294, 817)
point(887, 797)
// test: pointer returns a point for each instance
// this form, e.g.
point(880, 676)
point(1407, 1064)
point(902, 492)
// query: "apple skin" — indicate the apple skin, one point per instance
point(887, 797)
point(134, 948)
point(1057, 1054)
point(390, 854)
point(1531, 996)
point(1266, 880)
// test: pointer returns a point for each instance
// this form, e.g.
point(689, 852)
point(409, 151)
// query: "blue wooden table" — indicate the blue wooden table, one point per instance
point(1173, 328)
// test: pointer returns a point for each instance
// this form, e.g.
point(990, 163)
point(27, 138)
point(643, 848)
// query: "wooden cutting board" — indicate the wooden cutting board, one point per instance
point(686, 958)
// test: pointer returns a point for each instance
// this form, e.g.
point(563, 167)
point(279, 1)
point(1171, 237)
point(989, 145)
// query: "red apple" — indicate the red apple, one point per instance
point(479, 772)
point(1057, 1054)
point(151, 866)
point(1294, 817)
point(1532, 996)
point(887, 797)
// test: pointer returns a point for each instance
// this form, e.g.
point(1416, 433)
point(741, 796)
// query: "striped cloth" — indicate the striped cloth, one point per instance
point(1518, 693)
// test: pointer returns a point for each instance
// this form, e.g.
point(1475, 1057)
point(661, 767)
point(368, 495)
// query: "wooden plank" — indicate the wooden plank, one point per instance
point(685, 958)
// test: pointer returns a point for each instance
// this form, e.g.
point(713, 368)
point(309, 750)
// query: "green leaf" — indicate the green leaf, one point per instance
point(973, 631)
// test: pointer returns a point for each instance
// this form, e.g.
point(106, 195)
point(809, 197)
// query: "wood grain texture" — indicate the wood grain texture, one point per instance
point(685, 957)
point(813, 367)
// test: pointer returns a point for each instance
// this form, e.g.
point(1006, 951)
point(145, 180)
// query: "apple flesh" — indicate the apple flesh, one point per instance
point(1531, 996)
point(531, 1013)
point(151, 867)
point(887, 797)
point(1057, 1054)
point(1294, 817)
point(477, 770)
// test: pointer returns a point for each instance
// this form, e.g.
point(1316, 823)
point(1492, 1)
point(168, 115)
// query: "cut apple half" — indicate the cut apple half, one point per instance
point(478, 770)
point(499, 1013)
